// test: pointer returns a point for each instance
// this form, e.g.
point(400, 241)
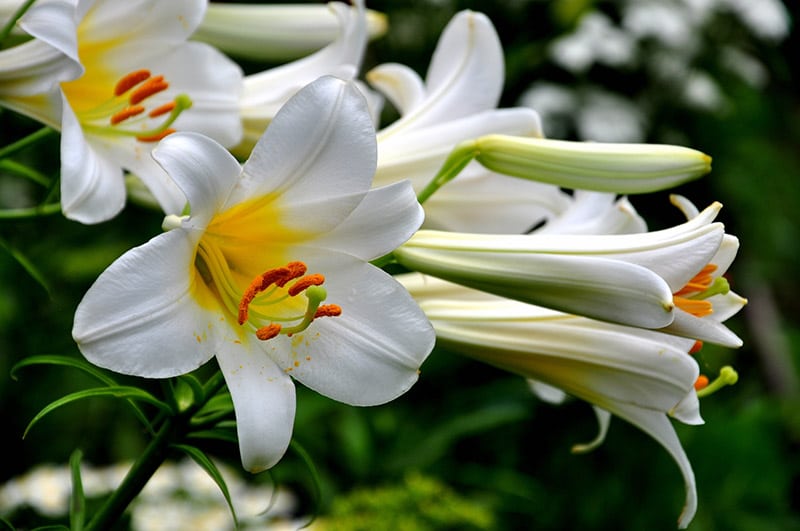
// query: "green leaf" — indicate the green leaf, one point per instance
point(188, 382)
point(77, 506)
point(217, 434)
point(315, 479)
point(211, 469)
point(133, 393)
point(84, 366)
point(27, 265)
point(5, 525)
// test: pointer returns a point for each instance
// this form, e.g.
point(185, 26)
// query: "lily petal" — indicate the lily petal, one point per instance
point(386, 218)
point(320, 145)
point(265, 92)
point(659, 427)
point(134, 322)
point(603, 422)
point(150, 21)
point(492, 203)
point(53, 23)
point(583, 285)
point(417, 154)
point(206, 177)
point(595, 213)
point(275, 32)
point(92, 187)
point(401, 85)
point(264, 402)
point(365, 356)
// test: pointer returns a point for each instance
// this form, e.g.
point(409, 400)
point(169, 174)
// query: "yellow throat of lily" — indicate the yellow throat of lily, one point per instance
point(127, 110)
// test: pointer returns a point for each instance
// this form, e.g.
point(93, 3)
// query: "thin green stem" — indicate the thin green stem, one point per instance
point(31, 212)
point(6, 30)
point(458, 159)
point(173, 430)
point(140, 473)
point(27, 141)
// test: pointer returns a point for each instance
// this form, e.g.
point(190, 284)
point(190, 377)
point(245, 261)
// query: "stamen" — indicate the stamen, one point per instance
point(701, 382)
point(126, 113)
point(695, 307)
point(278, 276)
point(268, 332)
point(727, 376)
point(156, 137)
point(163, 109)
point(328, 310)
point(696, 347)
point(129, 81)
point(154, 85)
point(309, 285)
point(700, 282)
point(303, 283)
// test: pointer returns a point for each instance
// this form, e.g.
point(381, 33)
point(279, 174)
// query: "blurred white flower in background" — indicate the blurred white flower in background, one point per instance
point(180, 496)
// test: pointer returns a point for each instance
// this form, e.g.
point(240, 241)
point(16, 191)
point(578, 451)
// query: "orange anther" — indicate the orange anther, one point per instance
point(163, 109)
point(698, 308)
point(700, 282)
point(154, 85)
point(696, 347)
point(304, 282)
point(278, 276)
point(126, 113)
point(128, 81)
point(701, 382)
point(268, 332)
point(328, 310)
point(156, 137)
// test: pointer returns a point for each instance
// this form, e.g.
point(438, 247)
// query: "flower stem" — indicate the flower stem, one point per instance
point(171, 432)
point(458, 159)
point(140, 473)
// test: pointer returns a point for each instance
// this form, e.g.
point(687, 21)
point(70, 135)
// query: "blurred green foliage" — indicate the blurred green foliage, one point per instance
point(468, 438)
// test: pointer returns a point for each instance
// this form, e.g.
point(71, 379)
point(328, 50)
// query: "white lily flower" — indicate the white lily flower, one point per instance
point(114, 78)
point(265, 92)
point(595, 213)
point(276, 32)
point(624, 278)
point(229, 280)
point(640, 375)
point(458, 101)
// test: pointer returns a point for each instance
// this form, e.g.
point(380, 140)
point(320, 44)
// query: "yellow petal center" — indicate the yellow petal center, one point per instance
point(126, 105)
point(242, 265)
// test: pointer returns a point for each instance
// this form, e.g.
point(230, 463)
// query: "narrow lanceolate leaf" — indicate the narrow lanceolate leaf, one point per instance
point(133, 393)
point(211, 469)
point(29, 266)
point(82, 365)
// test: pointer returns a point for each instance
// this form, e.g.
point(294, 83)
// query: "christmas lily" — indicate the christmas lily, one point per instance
point(269, 273)
point(115, 78)
point(641, 376)
point(276, 32)
point(265, 92)
point(456, 101)
point(658, 280)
